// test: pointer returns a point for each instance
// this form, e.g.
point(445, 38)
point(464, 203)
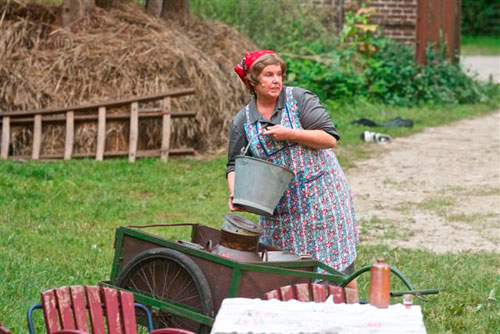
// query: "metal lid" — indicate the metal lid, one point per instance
point(240, 225)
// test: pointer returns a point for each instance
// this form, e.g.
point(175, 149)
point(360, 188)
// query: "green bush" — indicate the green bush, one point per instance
point(282, 25)
point(480, 17)
point(390, 76)
point(356, 62)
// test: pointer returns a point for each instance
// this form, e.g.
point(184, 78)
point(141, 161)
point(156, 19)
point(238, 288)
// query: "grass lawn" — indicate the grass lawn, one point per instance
point(480, 46)
point(57, 222)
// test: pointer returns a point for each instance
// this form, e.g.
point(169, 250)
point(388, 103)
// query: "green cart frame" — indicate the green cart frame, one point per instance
point(184, 284)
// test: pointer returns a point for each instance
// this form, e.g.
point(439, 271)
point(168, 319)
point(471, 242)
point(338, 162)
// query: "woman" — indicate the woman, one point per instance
point(289, 126)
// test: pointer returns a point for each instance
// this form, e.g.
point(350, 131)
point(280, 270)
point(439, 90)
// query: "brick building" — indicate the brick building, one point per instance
point(397, 17)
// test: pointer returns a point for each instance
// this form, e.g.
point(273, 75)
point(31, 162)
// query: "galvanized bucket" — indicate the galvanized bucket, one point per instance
point(259, 185)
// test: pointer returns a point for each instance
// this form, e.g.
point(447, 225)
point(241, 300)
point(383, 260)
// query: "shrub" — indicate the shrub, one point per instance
point(480, 17)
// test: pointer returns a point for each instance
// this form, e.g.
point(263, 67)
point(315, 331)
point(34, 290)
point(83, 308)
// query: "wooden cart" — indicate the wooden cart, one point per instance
point(184, 284)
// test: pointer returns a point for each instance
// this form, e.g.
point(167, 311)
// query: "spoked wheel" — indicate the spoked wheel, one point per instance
point(170, 276)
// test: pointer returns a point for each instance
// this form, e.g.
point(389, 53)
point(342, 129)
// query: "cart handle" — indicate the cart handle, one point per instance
point(358, 272)
point(417, 293)
point(161, 225)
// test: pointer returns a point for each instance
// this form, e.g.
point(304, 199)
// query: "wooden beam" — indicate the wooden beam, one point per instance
point(165, 139)
point(143, 114)
point(139, 154)
point(70, 135)
point(173, 93)
point(37, 137)
point(153, 7)
point(101, 134)
point(4, 153)
point(134, 131)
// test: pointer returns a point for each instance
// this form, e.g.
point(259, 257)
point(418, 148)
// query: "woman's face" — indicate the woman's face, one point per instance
point(270, 82)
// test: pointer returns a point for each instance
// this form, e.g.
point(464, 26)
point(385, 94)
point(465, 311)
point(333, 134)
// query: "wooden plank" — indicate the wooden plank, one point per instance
point(115, 154)
point(166, 129)
point(65, 310)
point(173, 93)
point(4, 153)
point(79, 307)
point(128, 312)
point(95, 309)
point(37, 137)
point(286, 293)
point(351, 296)
point(112, 310)
point(338, 293)
point(274, 294)
point(70, 135)
point(318, 292)
point(302, 292)
point(101, 134)
point(49, 305)
point(134, 131)
point(114, 117)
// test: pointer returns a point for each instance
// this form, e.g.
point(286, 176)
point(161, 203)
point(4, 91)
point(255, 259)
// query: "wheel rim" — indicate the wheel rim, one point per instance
point(166, 279)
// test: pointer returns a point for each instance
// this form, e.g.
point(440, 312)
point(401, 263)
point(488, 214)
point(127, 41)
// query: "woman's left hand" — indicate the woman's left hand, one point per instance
point(279, 132)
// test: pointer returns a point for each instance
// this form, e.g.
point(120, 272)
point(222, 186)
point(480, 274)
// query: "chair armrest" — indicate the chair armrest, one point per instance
point(171, 331)
point(70, 331)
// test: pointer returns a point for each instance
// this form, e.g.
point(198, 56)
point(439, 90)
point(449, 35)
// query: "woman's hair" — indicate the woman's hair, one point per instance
point(257, 67)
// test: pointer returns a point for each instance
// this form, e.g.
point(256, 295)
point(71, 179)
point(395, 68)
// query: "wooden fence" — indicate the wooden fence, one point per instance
point(70, 115)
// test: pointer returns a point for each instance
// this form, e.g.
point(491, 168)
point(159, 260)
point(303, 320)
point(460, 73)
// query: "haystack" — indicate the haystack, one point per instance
point(115, 54)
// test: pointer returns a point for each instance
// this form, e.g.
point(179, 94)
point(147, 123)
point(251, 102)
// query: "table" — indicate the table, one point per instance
point(256, 316)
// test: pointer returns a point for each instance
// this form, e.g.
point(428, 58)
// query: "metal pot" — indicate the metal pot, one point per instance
point(240, 225)
point(239, 238)
point(239, 233)
point(236, 255)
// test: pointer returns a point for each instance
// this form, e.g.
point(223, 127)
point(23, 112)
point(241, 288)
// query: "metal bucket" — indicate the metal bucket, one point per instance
point(259, 185)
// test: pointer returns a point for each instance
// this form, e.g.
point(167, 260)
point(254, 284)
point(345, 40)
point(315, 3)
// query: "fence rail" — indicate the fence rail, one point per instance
point(70, 115)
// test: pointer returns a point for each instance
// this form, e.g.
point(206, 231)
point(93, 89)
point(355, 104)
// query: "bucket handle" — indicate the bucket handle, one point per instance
point(245, 149)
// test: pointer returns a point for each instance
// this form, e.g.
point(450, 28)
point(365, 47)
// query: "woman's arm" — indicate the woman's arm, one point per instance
point(230, 185)
point(312, 138)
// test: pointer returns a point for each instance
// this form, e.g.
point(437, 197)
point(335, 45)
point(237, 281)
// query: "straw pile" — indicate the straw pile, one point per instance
point(115, 54)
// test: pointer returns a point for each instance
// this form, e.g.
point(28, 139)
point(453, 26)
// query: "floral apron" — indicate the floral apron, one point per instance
point(315, 216)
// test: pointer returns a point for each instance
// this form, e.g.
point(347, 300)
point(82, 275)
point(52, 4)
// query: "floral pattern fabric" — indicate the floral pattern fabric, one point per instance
point(315, 216)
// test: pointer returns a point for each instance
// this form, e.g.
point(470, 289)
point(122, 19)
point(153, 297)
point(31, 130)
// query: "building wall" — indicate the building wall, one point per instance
point(397, 17)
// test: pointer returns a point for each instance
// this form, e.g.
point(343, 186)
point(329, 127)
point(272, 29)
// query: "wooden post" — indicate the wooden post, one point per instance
point(73, 10)
point(37, 137)
point(175, 8)
point(134, 130)
point(70, 135)
point(165, 138)
point(4, 153)
point(153, 7)
point(101, 133)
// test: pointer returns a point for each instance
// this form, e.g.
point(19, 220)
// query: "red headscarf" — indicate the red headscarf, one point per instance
point(243, 68)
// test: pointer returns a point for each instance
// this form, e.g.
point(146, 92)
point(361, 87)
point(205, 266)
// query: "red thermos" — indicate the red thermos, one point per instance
point(380, 284)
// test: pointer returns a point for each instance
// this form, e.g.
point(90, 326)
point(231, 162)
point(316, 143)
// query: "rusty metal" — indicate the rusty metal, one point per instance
point(438, 23)
point(239, 242)
point(235, 254)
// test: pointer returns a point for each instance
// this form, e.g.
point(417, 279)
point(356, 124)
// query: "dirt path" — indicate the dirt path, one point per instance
point(436, 190)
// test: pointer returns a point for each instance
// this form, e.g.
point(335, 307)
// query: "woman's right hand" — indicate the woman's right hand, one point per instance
point(231, 206)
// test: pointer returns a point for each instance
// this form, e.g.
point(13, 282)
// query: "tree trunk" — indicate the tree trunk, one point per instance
point(153, 7)
point(105, 3)
point(175, 8)
point(73, 10)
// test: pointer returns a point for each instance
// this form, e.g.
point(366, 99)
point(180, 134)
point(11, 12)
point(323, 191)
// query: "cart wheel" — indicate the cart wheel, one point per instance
point(171, 276)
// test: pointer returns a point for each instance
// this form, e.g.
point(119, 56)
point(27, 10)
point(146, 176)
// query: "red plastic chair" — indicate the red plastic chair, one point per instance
point(90, 309)
point(306, 292)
